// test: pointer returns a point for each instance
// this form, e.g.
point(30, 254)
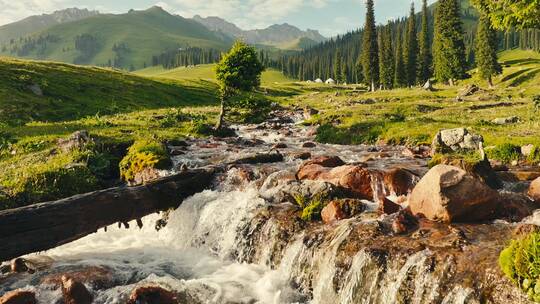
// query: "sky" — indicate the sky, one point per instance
point(330, 17)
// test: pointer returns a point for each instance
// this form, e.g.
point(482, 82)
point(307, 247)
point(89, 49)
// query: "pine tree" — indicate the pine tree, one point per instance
point(337, 67)
point(411, 48)
point(424, 60)
point(448, 45)
point(386, 58)
point(370, 52)
point(486, 50)
point(400, 77)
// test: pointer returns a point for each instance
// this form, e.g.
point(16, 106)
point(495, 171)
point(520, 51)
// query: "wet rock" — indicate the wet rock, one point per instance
point(309, 144)
point(288, 190)
point(417, 152)
point(403, 222)
point(18, 297)
point(18, 265)
point(450, 194)
point(341, 209)
point(178, 143)
point(74, 292)
point(152, 295)
point(514, 207)
point(301, 155)
point(77, 140)
point(400, 181)
point(96, 277)
point(177, 151)
point(451, 140)
point(506, 120)
point(534, 190)
point(386, 206)
point(280, 146)
point(326, 161)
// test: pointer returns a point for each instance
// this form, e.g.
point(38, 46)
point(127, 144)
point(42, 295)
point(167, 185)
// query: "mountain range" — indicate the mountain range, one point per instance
point(130, 40)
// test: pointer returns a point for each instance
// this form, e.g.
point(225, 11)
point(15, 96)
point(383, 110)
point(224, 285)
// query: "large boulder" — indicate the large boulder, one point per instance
point(451, 140)
point(450, 194)
point(534, 190)
point(151, 295)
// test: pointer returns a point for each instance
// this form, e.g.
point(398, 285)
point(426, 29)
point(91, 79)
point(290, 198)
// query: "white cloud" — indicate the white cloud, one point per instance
point(18, 9)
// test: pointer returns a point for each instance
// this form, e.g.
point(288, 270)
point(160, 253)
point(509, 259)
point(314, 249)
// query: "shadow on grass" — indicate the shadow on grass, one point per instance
point(524, 78)
point(515, 74)
point(525, 61)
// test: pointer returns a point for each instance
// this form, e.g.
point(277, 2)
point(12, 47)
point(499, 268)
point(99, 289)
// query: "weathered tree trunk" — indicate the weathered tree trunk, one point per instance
point(47, 225)
point(219, 124)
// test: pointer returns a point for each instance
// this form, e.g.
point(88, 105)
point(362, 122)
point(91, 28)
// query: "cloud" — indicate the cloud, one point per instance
point(18, 9)
point(246, 14)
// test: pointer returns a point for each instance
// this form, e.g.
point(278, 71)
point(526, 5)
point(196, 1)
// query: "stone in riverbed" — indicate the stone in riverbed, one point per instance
point(301, 155)
point(18, 297)
point(152, 295)
point(341, 209)
point(400, 181)
point(386, 206)
point(450, 194)
point(74, 292)
point(309, 144)
point(534, 190)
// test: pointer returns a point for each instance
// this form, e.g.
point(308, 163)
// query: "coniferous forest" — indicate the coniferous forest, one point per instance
point(409, 42)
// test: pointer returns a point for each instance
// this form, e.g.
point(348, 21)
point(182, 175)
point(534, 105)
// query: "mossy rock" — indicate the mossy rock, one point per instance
point(472, 162)
point(144, 154)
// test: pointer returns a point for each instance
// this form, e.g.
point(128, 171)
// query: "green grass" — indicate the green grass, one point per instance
point(206, 72)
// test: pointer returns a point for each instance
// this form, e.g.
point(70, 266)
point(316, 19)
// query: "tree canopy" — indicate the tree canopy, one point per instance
point(240, 69)
point(505, 14)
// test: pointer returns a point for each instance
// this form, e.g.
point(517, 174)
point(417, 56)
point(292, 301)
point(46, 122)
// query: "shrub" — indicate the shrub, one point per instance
point(143, 154)
point(520, 262)
point(311, 208)
point(248, 109)
point(534, 157)
point(6, 140)
point(505, 153)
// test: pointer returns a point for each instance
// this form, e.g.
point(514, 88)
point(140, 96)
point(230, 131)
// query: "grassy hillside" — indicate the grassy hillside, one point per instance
point(47, 91)
point(206, 72)
point(414, 116)
point(137, 35)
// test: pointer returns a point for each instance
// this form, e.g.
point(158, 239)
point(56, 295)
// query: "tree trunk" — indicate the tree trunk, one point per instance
point(221, 118)
point(372, 86)
point(490, 82)
point(48, 225)
point(451, 82)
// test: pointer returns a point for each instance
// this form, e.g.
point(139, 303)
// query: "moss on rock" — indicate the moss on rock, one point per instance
point(144, 154)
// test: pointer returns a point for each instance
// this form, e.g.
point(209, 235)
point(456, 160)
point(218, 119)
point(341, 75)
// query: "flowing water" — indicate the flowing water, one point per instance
point(213, 250)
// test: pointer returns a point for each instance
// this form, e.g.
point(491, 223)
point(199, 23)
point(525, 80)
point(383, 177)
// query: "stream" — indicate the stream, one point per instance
point(231, 244)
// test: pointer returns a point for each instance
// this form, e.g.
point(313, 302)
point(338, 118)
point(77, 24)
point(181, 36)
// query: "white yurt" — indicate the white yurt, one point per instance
point(330, 81)
point(318, 80)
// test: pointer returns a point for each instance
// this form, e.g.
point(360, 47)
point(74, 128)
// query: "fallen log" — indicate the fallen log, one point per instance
point(48, 225)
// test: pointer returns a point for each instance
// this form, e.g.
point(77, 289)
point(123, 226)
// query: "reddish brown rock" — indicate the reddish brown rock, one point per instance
point(280, 146)
point(386, 206)
point(404, 222)
point(341, 209)
point(400, 181)
point(309, 144)
point(326, 161)
point(450, 194)
point(301, 155)
point(18, 297)
point(74, 292)
point(534, 190)
point(97, 277)
point(152, 295)
point(515, 207)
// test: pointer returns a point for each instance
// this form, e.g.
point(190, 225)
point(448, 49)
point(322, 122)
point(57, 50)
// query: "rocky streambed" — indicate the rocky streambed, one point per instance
point(328, 224)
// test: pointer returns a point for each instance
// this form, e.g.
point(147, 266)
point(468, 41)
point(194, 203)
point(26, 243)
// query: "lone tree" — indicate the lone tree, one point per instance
point(411, 48)
point(505, 14)
point(239, 70)
point(486, 50)
point(370, 49)
point(448, 45)
point(424, 59)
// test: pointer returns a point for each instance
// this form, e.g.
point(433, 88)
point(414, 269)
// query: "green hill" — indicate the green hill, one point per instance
point(125, 41)
point(47, 91)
